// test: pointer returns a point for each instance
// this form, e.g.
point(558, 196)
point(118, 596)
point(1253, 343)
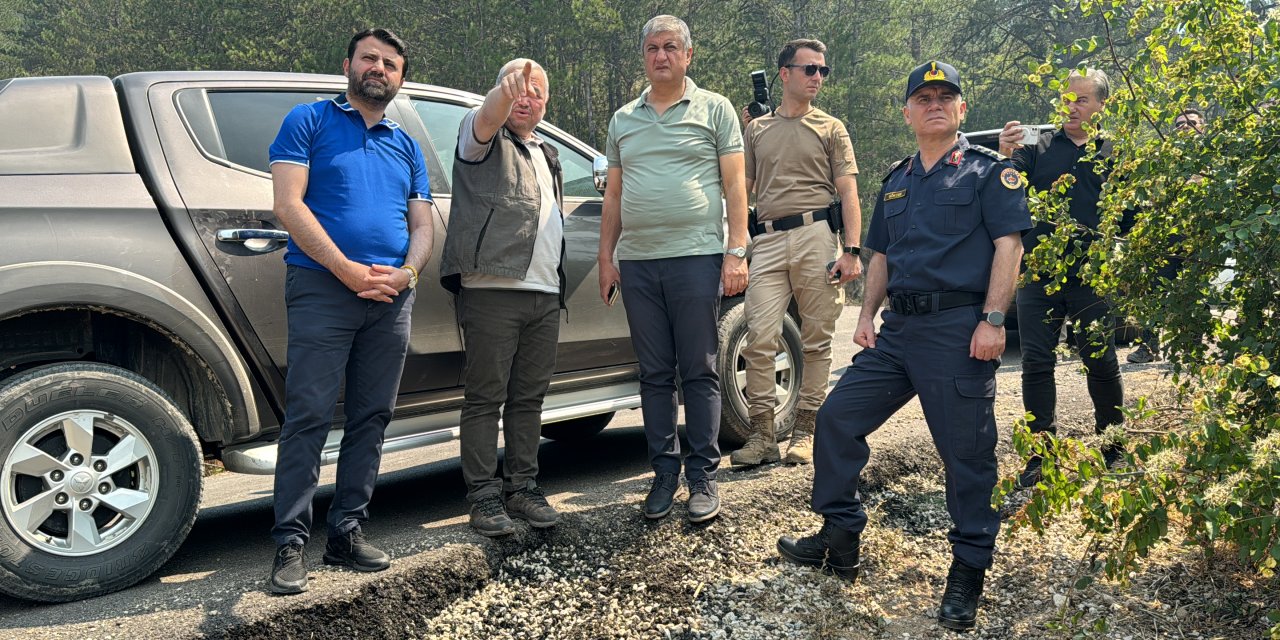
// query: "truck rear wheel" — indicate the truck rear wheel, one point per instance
point(735, 425)
point(100, 481)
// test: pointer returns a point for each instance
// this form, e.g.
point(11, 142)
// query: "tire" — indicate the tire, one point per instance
point(734, 421)
point(133, 497)
point(577, 429)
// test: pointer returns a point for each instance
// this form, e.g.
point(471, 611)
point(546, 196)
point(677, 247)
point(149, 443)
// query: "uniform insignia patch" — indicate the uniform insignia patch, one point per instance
point(894, 195)
point(1010, 178)
point(955, 158)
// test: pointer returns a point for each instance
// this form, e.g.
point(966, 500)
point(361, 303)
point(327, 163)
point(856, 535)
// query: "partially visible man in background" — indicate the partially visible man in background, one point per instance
point(351, 188)
point(800, 164)
point(674, 154)
point(1077, 148)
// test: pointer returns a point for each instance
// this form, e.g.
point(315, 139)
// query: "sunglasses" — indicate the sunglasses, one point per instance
point(810, 69)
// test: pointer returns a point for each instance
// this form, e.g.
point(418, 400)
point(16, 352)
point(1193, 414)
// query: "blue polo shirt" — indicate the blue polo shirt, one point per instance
point(360, 180)
point(937, 227)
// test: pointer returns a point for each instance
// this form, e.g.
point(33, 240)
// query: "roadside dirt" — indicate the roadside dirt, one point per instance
point(605, 572)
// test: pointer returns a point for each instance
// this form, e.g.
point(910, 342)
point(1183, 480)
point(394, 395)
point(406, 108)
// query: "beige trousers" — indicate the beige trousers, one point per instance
point(786, 264)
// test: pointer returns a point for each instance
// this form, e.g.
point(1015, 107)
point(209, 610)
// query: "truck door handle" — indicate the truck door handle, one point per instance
point(260, 240)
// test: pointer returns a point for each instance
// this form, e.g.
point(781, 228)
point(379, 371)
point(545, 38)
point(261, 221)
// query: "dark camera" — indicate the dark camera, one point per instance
point(760, 95)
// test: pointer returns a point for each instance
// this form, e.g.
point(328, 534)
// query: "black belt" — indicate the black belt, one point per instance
point(789, 222)
point(914, 304)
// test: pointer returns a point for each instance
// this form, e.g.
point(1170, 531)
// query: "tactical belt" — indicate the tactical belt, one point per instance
point(914, 304)
point(789, 222)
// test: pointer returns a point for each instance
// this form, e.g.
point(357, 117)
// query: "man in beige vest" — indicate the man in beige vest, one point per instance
point(798, 162)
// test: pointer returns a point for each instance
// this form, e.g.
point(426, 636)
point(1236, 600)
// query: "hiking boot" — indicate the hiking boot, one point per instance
point(761, 446)
point(661, 495)
point(489, 518)
point(1142, 355)
point(832, 549)
point(959, 609)
point(289, 571)
point(530, 504)
point(1031, 474)
point(800, 449)
point(704, 500)
point(352, 550)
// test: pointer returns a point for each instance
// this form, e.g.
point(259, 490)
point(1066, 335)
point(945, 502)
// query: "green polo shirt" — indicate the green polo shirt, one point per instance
point(672, 200)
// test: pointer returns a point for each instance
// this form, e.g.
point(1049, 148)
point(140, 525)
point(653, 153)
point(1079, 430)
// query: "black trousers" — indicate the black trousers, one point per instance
point(927, 356)
point(1040, 318)
point(333, 335)
point(673, 308)
point(511, 353)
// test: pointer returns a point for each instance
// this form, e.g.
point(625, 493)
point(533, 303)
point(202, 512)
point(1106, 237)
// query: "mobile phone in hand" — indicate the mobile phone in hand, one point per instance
point(1030, 136)
point(833, 278)
point(614, 290)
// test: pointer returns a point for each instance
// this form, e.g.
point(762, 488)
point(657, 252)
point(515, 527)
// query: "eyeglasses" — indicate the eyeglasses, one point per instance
point(810, 69)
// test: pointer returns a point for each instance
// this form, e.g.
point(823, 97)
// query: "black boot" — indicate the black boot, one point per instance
point(832, 549)
point(960, 601)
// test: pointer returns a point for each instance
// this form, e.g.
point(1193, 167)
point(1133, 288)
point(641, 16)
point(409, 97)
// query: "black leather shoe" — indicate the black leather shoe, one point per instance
point(1031, 474)
point(352, 550)
point(289, 571)
point(661, 495)
point(960, 601)
point(1113, 457)
point(832, 549)
point(704, 500)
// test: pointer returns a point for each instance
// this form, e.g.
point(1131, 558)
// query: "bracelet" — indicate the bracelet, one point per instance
point(855, 250)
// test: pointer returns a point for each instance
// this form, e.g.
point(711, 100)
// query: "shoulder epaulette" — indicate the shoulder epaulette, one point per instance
point(994, 155)
point(894, 167)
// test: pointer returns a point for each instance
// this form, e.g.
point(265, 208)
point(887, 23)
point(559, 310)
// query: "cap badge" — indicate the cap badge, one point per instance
point(934, 74)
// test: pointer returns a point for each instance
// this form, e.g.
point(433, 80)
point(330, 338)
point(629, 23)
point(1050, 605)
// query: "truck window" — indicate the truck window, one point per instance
point(577, 170)
point(238, 126)
point(442, 120)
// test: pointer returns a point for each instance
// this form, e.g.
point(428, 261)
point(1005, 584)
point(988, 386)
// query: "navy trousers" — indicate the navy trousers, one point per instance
point(1040, 317)
point(925, 355)
point(673, 308)
point(335, 335)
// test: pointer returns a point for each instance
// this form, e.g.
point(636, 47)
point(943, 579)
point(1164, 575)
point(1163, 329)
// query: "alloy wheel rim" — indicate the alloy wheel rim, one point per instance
point(785, 383)
point(79, 483)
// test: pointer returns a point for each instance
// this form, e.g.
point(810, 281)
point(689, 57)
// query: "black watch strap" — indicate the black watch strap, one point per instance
point(855, 250)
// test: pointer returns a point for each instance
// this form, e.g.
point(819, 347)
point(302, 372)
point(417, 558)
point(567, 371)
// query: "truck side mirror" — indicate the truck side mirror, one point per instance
point(600, 172)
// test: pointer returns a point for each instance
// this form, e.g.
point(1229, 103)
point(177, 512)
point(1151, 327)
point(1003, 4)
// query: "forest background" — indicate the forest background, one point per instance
point(590, 49)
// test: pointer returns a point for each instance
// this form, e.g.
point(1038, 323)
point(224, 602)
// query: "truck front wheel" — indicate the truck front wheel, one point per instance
point(100, 481)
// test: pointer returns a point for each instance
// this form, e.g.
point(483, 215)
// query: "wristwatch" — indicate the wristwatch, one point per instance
point(737, 252)
point(413, 275)
point(994, 318)
point(855, 250)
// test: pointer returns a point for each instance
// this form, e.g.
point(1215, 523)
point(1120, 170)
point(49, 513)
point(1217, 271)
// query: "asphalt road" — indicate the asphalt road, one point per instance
point(217, 578)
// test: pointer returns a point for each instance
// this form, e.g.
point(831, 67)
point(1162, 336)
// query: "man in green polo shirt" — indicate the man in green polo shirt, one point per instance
point(674, 154)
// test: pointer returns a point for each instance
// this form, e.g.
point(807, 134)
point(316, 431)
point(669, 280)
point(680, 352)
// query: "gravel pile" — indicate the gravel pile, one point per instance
point(607, 573)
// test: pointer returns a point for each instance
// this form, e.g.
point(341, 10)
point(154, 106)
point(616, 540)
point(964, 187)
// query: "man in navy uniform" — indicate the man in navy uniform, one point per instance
point(946, 243)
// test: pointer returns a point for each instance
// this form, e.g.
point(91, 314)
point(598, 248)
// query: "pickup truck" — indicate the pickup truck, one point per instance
point(142, 330)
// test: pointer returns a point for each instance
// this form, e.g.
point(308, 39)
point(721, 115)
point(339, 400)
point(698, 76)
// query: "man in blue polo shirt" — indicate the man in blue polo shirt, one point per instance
point(351, 188)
